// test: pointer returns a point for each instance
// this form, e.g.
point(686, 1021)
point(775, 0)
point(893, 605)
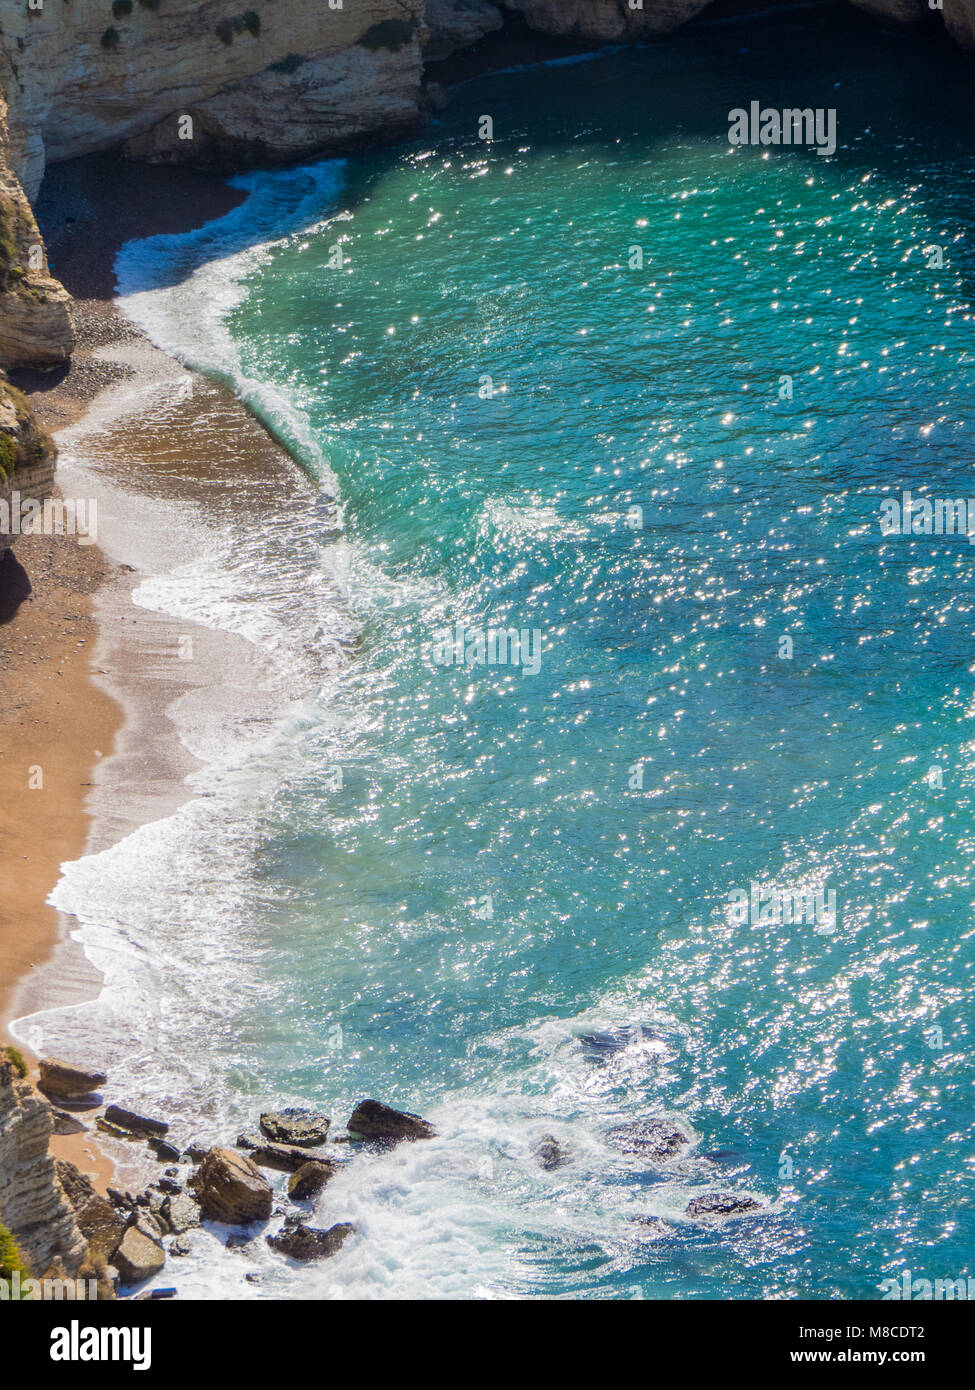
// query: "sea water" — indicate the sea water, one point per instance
point(608, 381)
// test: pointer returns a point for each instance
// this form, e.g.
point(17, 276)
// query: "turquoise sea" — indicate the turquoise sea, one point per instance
point(542, 380)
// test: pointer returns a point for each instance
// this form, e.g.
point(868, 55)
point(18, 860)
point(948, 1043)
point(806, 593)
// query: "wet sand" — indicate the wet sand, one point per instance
point(88, 676)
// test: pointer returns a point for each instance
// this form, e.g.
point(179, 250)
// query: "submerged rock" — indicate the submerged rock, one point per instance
point(652, 1228)
point(301, 1242)
point(310, 1178)
point(232, 1189)
point(63, 1081)
point(658, 1139)
point(550, 1153)
point(598, 1047)
point(715, 1206)
point(373, 1120)
point(305, 1128)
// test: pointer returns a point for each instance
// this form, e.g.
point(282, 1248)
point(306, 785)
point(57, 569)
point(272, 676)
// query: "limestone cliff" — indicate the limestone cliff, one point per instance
point(27, 456)
point(33, 1205)
point(35, 314)
point(272, 78)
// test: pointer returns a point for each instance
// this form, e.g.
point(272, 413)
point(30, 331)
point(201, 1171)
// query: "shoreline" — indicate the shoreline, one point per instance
point(85, 698)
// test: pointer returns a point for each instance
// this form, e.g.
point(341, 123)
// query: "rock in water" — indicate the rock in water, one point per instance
point(285, 1158)
point(138, 1257)
point(659, 1139)
point(305, 1243)
point(373, 1120)
point(309, 1180)
point(550, 1153)
point(304, 1128)
point(597, 1047)
point(132, 1123)
point(231, 1189)
point(63, 1081)
point(717, 1205)
point(181, 1212)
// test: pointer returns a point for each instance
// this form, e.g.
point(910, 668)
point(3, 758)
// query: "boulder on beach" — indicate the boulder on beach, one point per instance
point(310, 1178)
point(64, 1081)
point(373, 1120)
point(301, 1242)
point(138, 1256)
point(658, 1139)
point(101, 1223)
point(133, 1123)
point(231, 1188)
point(304, 1128)
point(716, 1206)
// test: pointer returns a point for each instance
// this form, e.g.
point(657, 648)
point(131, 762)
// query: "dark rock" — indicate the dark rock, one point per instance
point(305, 1243)
point(195, 1153)
point(179, 1246)
point(659, 1139)
point(283, 1158)
point(63, 1081)
point(169, 1185)
point(652, 1228)
point(310, 1178)
point(138, 1256)
point(715, 1206)
point(131, 1123)
point(126, 1199)
point(231, 1189)
point(304, 1128)
point(550, 1153)
point(373, 1120)
point(249, 1141)
point(164, 1151)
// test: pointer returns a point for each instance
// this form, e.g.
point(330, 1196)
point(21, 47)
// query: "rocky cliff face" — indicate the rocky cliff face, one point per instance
point(33, 1206)
point(281, 77)
point(35, 313)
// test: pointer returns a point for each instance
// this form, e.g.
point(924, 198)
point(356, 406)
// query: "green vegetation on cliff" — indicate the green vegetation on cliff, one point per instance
point(11, 1260)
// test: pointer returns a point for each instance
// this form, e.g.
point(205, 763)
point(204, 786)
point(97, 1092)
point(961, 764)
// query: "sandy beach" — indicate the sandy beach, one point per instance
point(88, 675)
